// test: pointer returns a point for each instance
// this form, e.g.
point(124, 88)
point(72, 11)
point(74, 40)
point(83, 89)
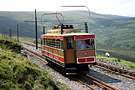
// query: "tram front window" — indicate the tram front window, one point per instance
point(85, 44)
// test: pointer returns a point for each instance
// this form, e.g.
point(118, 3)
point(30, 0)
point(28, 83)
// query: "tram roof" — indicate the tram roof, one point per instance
point(67, 34)
point(77, 36)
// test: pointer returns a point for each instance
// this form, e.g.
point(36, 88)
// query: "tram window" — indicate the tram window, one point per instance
point(45, 41)
point(69, 43)
point(54, 43)
point(51, 43)
point(48, 42)
point(41, 41)
point(85, 44)
point(57, 43)
point(92, 43)
point(61, 44)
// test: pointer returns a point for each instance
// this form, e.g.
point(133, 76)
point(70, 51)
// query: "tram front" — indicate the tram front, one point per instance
point(85, 49)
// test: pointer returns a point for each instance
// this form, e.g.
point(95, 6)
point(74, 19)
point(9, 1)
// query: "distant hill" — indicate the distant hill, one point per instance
point(111, 31)
point(9, 20)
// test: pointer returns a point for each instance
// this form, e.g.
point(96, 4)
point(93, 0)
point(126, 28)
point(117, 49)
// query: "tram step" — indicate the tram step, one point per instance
point(71, 68)
point(71, 73)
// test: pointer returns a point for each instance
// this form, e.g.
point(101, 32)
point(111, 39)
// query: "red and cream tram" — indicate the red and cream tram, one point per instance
point(69, 48)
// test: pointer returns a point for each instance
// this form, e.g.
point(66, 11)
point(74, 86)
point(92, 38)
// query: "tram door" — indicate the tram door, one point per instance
point(69, 50)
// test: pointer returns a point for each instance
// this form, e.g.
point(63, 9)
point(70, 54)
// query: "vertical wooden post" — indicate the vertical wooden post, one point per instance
point(36, 29)
point(17, 33)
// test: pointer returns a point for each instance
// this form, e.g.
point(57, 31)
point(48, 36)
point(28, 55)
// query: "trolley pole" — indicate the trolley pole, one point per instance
point(17, 32)
point(36, 29)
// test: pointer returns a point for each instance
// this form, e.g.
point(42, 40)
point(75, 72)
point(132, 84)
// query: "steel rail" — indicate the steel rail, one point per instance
point(122, 72)
point(101, 84)
point(87, 77)
point(34, 53)
point(117, 70)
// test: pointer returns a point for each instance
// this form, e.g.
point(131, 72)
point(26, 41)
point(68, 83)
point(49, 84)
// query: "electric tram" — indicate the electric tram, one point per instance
point(69, 48)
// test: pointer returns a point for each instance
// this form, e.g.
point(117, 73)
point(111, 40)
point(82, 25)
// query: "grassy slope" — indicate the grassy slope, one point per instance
point(119, 37)
point(119, 61)
point(17, 73)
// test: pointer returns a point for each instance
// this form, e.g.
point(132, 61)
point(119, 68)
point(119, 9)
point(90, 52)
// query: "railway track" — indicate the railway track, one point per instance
point(113, 69)
point(42, 61)
point(102, 84)
point(94, 83)
point(110, 68)
point(87, 84)
point(86, 80)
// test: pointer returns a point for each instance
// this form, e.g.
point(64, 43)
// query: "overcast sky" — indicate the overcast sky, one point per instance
point(115, 7)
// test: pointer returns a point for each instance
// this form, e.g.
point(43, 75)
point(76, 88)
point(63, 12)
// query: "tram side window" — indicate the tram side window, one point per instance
point(54, 43)
point(51, 43)
point(43, 41)
point(69, 43)
point(48, 42)
point(61, 44)
point(57, 43)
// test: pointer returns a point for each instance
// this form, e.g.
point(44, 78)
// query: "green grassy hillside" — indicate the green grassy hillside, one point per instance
point(17, 73)
point(119, 34)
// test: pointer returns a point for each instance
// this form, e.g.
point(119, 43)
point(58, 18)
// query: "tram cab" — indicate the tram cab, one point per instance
point(69, 48)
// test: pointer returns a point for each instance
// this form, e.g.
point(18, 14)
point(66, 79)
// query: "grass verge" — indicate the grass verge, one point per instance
point(119, 61)
point(17, 73)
